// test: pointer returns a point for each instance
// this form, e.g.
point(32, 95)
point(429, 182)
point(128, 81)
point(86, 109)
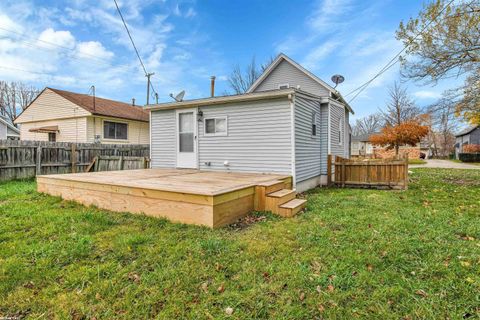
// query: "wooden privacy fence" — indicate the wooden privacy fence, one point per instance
point(109, 163)
point(379, 173)
point(26, 159)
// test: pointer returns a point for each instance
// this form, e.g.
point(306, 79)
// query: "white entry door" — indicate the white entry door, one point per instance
point(187, 138)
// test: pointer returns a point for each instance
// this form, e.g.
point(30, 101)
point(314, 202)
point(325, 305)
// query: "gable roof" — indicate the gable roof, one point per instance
point(9, 125)
point(283, 57)
point(467, 130)
point(104, 107)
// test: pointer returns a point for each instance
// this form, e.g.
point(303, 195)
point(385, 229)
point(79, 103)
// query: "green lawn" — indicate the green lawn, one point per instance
point(354, 254)
point(416, 161)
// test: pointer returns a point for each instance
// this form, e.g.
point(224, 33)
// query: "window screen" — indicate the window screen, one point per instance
point(216, 126)
point(115, 130)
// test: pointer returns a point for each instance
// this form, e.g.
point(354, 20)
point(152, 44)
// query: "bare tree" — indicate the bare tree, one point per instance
point(367, 125)
point(15, 97)
point(400, 108)
point(241, 80)
point(443, 124)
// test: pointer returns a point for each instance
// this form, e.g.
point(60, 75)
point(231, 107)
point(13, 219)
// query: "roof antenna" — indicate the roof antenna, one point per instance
point(337, 79)
point(178, 97)
point(93, 93)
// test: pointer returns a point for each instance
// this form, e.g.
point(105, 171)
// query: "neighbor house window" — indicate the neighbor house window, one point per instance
point(314, 123)
point(216, 126)
point(283, 86)
point(52, 137)
point(340, 131)
point(115, 130)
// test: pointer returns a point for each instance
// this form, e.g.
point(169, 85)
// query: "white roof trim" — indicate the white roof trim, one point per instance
point(10, 126)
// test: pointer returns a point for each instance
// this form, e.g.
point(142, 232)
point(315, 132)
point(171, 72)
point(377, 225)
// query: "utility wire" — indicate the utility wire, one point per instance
point(394, 60)
point(133, 44)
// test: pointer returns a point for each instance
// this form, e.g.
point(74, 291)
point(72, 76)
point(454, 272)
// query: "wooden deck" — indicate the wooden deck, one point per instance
point(181, 195)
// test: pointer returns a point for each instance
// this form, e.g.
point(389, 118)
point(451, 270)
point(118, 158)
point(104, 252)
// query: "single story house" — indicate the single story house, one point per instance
point(8, 130)
point(361, 146)
point(286, 123)
point(63, 116)
point(470, 135)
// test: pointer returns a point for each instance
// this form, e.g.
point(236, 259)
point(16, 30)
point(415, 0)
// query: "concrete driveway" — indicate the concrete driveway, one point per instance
point(435, 163)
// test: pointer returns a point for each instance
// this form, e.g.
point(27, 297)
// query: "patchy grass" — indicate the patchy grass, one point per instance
point(460, 161)
point(416, 161)
point(355, 253)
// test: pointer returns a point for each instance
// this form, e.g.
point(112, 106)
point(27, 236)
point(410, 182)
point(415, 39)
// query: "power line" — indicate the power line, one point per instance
point(394, 60)
point(134, 46)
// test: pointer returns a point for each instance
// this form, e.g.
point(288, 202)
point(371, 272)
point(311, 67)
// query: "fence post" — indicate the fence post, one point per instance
point(329, 170)
point(38, 167)
point(406, 172)
point(73, 157)
point(120, 163)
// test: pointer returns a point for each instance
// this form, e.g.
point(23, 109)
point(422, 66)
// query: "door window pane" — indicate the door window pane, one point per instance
point(186, 142)
point(210, 126)
point(186, 122)
point(220, 125)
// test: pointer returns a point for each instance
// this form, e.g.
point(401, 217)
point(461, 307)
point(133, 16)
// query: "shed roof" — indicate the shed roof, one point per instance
point(467, 130)
point(9, 125)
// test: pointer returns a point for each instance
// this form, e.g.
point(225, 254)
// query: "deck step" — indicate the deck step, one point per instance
point(292, 207)
point(275, 199)
point(264, 188)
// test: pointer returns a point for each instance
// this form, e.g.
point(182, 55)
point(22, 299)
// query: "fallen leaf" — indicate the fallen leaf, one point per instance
point(465, 263)
point(319, 289)
point(321, 308)
point(204, 287)
point(330, 288)
point(221, 288)
point(302, 296)
point(132, 276)
point(369, 267)
point(229, 311)
point(422, 293)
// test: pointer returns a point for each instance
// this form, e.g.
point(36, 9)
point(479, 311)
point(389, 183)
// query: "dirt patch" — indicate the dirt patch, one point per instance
point(462, 182)
point(247, 221)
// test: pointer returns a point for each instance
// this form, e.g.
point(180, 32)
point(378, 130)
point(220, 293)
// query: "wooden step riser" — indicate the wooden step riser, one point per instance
point(272, 203)
point(290, 212)
point(261, 194)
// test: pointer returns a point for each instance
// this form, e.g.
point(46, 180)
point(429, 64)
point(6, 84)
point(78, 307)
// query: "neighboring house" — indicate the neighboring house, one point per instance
point(361, 146)
point(470, 135)
point(287, 122)
point(8, 130)
point(57, 115)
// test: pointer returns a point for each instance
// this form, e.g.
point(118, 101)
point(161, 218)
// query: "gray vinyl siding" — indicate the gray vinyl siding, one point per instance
point(337, 114)
point(307, 146)
point(163, 139)
point(258, 140)
point(3, 131)
point(324, 137)
point(287, 73)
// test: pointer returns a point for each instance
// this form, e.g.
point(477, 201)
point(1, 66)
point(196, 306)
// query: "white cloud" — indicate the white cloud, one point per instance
point(91, 49)
point(427, 94)
point(319, 54)
point(59, 38)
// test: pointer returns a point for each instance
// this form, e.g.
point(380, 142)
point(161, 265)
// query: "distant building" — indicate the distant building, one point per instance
point(8, 130)
point(470, 135)
point(57, 115)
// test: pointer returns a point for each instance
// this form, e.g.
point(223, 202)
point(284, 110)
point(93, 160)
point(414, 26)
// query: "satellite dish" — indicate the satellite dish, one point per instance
point(178, 97)
point(337, 79)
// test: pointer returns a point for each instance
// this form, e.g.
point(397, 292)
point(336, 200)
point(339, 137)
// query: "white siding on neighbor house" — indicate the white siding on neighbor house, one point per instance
point(307, 146)
point(284, 73)
point(258, 137)
point(163, 139)
point(70, 130)
point(3, 131)
point(137, 131)
point(49, 106)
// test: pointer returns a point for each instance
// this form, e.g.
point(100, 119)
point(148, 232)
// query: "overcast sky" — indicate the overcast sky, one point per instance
point(185, 42)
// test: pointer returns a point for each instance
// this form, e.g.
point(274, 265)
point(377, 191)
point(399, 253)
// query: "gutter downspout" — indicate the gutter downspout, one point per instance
point(329, 138)
point(291, 97)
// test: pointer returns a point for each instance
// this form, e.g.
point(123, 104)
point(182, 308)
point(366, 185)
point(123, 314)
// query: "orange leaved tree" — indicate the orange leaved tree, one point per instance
point(407, 133)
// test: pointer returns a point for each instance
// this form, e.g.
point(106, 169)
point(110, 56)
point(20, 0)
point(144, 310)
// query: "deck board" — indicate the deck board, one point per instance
point(209, 198)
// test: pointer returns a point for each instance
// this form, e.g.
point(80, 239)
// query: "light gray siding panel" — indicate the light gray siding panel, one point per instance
point(337, 114)
point(3, 131)
point(163, 143)
point(323, 137)
point(307, 146)
point(287, 73)
point(258, 140)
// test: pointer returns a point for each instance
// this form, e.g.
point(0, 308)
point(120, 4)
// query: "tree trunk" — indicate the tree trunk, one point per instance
point(397, 148)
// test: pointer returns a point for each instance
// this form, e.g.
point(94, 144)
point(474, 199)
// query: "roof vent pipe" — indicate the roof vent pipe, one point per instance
point(212, 86)
point(133, 102)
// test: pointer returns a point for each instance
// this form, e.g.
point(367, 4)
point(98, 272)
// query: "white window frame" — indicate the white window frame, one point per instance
point(215, 134)
point(280, 85)
point(340, 132)
point(314, 121)
point(114, 121)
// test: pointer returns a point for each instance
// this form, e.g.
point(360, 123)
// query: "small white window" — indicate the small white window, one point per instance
point(283, 86)
point(314, 123)
point(215, 126)
point(340, 132)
